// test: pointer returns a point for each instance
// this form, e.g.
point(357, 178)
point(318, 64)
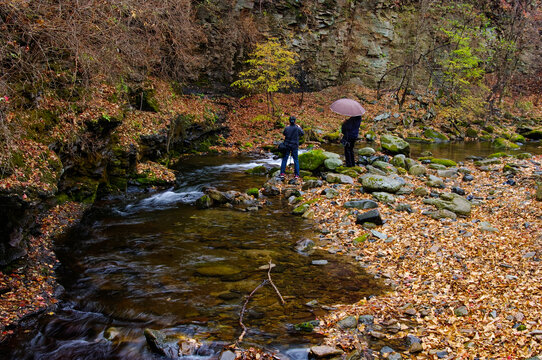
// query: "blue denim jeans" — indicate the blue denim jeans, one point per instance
point(293, 152)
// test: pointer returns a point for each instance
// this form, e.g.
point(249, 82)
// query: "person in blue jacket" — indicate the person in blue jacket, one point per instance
point(350, 131)
point(292, 133)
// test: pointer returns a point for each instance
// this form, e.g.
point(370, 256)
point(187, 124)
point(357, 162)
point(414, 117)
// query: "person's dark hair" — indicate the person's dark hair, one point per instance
point(292, 119)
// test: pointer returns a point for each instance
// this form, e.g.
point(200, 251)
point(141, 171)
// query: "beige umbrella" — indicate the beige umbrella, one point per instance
point(347, 107)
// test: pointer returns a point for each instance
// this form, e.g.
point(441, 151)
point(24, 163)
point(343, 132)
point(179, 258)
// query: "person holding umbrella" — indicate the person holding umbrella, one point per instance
point(291, 133)
point(350, 127)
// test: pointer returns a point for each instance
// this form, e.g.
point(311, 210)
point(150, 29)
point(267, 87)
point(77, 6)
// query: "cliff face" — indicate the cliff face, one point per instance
point(335, 39)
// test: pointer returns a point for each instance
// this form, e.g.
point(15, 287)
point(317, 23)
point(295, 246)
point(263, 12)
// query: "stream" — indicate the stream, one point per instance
point(153, 260)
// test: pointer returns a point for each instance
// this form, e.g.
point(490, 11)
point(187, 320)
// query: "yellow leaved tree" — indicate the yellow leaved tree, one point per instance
point(269, 70)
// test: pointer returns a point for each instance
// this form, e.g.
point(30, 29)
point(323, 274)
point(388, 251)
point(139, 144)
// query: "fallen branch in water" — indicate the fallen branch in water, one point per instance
point(272, 284)
point(243, 310)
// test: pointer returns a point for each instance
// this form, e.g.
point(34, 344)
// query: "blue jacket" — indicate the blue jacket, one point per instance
point(350, 128)
point(292, 133)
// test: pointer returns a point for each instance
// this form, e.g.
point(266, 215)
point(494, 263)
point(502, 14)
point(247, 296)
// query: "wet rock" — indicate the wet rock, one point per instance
point(217, 270)
point(162, 344)
point(324, 351)
point(388, 184)
point(301, 209)
point(350, 322)
point(304, 246)
point(227, 355)
point(204, 202)
point(306, 326)
point(319, 262)
point(270, 190)
point(371, 216)
point(361, 204)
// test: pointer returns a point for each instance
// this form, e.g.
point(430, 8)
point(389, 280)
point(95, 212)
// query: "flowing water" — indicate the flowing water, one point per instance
point(156, 261)
point(152, 260)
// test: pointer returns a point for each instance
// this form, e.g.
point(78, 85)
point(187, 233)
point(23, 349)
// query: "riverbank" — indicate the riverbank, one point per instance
point(463, 286)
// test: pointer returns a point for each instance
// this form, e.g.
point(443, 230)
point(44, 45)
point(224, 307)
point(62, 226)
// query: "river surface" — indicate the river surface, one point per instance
point(152, 260)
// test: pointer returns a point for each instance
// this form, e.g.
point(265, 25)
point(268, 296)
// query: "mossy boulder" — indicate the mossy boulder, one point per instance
point(312, 160)
point(332, 137)
point(503, 144)
point(471, 133)
point(445, 162)
point(332, 163)
point(389, 184)
point(535, 134)
point(435, 135)
point(498, 155)
point(366, 151)
point(452, 202)
point(523, 156)
point(393, 145)
point(370, 136)
point(254, 192)
point(204, 202)
point(517, 138)
point(257, 170)
point(301, 209)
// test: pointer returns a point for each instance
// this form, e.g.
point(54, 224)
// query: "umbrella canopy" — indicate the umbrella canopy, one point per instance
point(347, 107)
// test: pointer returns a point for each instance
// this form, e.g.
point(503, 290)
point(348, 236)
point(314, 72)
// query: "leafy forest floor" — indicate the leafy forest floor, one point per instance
point(434, 267)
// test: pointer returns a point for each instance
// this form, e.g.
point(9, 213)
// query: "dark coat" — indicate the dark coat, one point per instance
point(292, 133)
point(350, 128)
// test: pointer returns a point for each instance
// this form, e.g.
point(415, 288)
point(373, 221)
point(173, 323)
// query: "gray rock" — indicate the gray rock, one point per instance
point(323, 351)
point(366, 151)
point(448, 173)
point(436, 166)
point(375, 171)
point(304, 246)
point(161, 344)
point(493, 314)
point(388, 184)
point(529, 255)
point(405, 190)
point(434, 181)
point(485, 226)
point(384, 197)
point(393, 145)
point(461, 311)
point(379, 235)
point(385, 167)
point(339, 179)
point(366, 319)
point(417, 170)
point(441, 214)
point(410, 163)
point(386, 351)
point(404, 207)
point(442, 354)
point(413, 344)
point(394, 356)
point(371, 216)
point(332, 163)
point(311, 184)
point(331, 193)
point(399, 161)
point(270, 190)
point(421, 191)
point(350, 322)
point(451, 202)
point(319, 262)
point(227, 355)
point(361, 204)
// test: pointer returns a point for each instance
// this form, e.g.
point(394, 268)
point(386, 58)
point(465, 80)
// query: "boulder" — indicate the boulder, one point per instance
point(384, 166)
point(393, 145)
point(372, 216)
point(366, 151)
point(162, 344)
point(388, 184)
point(339, 179)
point(448, 173)
point(417, 170)
point(434, 181)
point(399, 161)
point(503, 144)
point(204, 202)
point(312, 160)
point(361, 204)
point(384, 197)
point(451, 202)
point(332, 163)
point(349, 322)
point(435, 135)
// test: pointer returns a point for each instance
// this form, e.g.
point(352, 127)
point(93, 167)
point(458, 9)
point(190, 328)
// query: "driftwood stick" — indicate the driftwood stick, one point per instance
point(245, 308)
point(273, 285)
